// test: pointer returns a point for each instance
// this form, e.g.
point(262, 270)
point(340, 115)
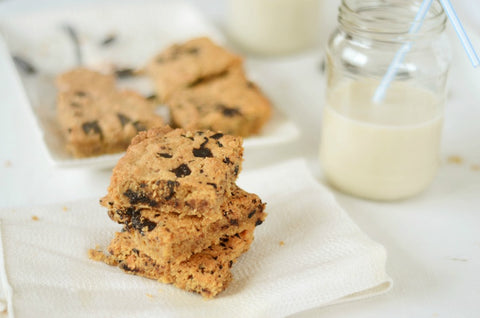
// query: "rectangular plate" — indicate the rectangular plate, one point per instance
point(138, 30)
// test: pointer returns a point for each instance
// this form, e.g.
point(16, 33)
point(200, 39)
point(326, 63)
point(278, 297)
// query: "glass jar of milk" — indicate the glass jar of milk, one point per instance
point(387, 150)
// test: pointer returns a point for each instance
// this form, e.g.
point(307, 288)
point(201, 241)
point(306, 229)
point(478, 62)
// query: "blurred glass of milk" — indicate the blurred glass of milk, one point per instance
point(270, 27)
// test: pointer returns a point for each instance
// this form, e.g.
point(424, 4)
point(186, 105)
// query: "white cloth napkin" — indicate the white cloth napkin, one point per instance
point(308, 253)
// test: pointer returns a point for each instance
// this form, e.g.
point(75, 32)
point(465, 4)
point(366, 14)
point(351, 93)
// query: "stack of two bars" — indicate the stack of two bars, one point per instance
point(185, 220)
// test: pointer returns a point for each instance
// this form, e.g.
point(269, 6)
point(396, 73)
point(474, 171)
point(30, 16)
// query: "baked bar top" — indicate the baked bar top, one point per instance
point(190, 173)
point(96, 118)
point(183, 64)
point(85, 80)
point(228, 102)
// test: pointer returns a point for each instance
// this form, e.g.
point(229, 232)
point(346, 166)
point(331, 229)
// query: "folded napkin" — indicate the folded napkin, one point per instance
point(308, 253)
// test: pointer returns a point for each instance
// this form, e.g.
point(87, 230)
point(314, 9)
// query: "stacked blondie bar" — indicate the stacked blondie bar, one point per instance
point(96, 117)
point(185, 221)
point(206, 87)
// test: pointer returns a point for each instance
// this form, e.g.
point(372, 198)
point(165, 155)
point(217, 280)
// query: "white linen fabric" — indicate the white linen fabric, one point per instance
point(308, 253)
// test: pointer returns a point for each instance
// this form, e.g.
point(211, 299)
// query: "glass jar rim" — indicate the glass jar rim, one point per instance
point(362, 16)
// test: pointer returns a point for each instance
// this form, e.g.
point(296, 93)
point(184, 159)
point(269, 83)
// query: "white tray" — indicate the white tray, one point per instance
point(140, 29)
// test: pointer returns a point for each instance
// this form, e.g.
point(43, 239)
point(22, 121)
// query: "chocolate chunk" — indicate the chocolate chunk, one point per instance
point(139, 223)
point(164, 155)
point(125, 267)
point(205, 141)
point(226, 160)
point(80, 94)
point(123, 119)
point(151, 97)
point(135, 198)
point(193, 50)
point(228, 111)
point(237, 168)
point(139, 126)
point(230, 264)
point(252, 213)
point(212, 184)
point(182, 171)
point(92, 126)
point(234, 222)
point(219, 144)
point(124, 72)
point(222, 244)
point(202, 152)
point(135, 251)
point(217, 136)
point(189, 137)
point(130, 211)
point(171, 189)
point(109, 39)
point(258, 222)
point(25, 66)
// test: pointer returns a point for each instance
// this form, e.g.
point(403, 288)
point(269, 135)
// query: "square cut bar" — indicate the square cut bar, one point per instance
point(166, 237)
point(228, 102)
point(180, 65)
point(207, 272)
point(95, 118)
point(189, 173)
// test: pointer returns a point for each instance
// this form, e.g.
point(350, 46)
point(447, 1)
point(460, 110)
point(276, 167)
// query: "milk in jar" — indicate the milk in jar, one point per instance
point(382, 151)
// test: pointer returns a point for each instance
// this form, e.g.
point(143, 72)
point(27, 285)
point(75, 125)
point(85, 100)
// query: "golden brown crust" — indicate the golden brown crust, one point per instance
point(207, 272)
point(186, 172)
point(166, 237)
point(228, 102)
point(183, 64)
point(95, 118)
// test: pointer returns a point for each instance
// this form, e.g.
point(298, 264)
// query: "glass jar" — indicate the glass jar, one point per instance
point(271, 27)
point(390, 149)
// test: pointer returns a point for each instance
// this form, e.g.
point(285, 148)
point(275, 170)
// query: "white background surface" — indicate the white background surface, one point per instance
point(433, 240)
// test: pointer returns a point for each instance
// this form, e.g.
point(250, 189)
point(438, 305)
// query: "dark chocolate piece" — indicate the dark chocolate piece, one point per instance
point(182, 171)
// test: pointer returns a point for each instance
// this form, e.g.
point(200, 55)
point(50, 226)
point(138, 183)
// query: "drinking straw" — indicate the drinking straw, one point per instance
point(400, 55)
point(462, 35)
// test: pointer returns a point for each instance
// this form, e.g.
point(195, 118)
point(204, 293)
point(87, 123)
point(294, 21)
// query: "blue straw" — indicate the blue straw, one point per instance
point(399, 57)
point(462, 35)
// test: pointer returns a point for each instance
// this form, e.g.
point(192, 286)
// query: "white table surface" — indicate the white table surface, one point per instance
point(433, 240)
